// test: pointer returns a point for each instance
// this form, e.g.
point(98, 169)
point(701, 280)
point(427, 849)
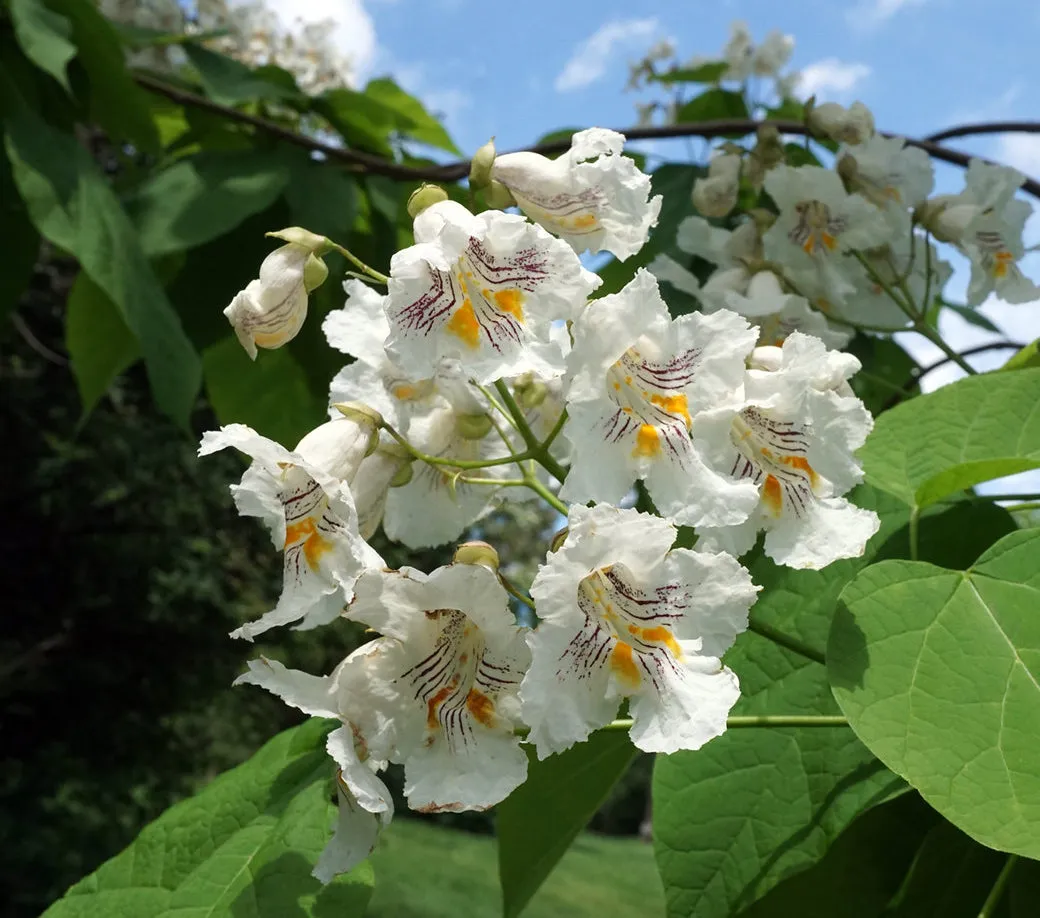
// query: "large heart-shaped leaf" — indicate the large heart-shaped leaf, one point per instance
point(938, 672)
point(540, 819)
point(976, 429)
point(242, 848)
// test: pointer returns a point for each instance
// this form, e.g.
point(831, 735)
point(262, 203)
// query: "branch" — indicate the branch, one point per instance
point(369, 163)
point(986, 127)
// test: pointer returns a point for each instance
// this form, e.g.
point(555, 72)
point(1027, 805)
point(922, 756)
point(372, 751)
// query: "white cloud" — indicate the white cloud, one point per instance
point(874, 12)
point(832, 78)
point(591, 58)
point(1022, 151)
point(354, 34)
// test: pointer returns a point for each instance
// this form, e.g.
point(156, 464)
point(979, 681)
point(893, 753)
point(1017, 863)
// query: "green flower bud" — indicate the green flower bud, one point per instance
point(362, 414)
point(297, 235)
point(480, 168)
point(424, 196)
point(477, 553)
point(558, 540)
point(497, 196)
point(314, 273)
point(402, 476)
point(472, 426)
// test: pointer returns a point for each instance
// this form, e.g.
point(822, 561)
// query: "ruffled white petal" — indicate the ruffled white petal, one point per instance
point(354, 838)
point(314, 695)
point(360, 328)
point(592, 196)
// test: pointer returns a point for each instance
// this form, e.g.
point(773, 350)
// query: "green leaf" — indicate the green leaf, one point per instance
point(362, 122)
point(862, 870)
point(887, 369)
point(540, 819)
point(713, 105)
point(938, 672)
point(726, 829)
point(44, 37)
point(1028, 357)
point(711, 72)
point(242, 848)
point(272, 395)
point(410, 115)
point(116, 102)
point(230, 82)
point(950, 878)
point(100, 345)
point(21, 241)
point(973, 430)
point(973, 317)
point(202, 197)
point(71, 204)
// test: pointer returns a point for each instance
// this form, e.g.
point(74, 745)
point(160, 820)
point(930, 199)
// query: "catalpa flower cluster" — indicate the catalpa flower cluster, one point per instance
point(487, 366)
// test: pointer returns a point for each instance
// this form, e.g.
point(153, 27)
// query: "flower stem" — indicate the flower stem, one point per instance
point(786, 641)
point(545, 494)
point(359, 264)
point(536, 450)
point(516, 594)
point(448, 461)
point(744, 721)
point(997, 892)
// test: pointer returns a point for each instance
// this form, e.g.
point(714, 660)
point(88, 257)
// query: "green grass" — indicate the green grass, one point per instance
point(424, 871)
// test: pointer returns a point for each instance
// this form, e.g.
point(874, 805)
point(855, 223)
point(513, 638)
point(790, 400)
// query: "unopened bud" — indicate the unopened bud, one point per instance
point(497, 196)
point(297, 235)
point(852, 125)
point(402, 476)
point(314, 273)
point(530, 392)
point(477, 553)
point(339, 446)
point(715, 197)
point(946, 217)
point(762, 218)
point(472, 426)
point(424, 196)
point(480, 167)
point(360, 412)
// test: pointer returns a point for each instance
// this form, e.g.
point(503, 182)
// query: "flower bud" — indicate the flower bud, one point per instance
point(480, 167)
point(477, 553)
point(402, 476)
point(271, 310)
point(297, 235)
point(851, 126)
point(338, 447)
point(714, 197)
point(530, 392)
point(314, 273)
point(946, 216)
point(558, 540)
point(767, 153)
point(472, 426)
point(424, 196)
point(360, 412)
point(497, 196)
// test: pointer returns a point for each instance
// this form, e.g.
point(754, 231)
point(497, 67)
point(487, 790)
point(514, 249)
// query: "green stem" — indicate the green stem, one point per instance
point(997, 892)
point(1024, 507)
point(545, 494)
point(494, 482)
point(516, 594)
point(915, 519)
point(787, 641)
point(359, 264)
point(738, 722)
point(453, 463)
point(923, 328)
point(555, 432)
point(977, 497)
point(535, 449)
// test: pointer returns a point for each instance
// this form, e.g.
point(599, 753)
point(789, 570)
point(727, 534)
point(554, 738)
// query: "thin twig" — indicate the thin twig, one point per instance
point(35, 343)
point(359, 161)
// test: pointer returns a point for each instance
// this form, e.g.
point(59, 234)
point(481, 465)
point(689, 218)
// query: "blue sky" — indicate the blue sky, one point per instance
point(522, 68)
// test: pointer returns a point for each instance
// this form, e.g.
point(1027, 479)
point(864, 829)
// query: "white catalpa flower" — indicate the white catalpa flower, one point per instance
point(738, 52)
point(304, 499)
point(638, 379)
point(795, 439)
point(591, 196)
point(726, 249)
point(361, 747)
point(777, 314)
point(272, 309)
point(818, 222)
point(621, 616)
point(451, 676)
point(769, 58)
point(985, 221)
point(889, 173)
point(484, 289)
point(851, 125)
